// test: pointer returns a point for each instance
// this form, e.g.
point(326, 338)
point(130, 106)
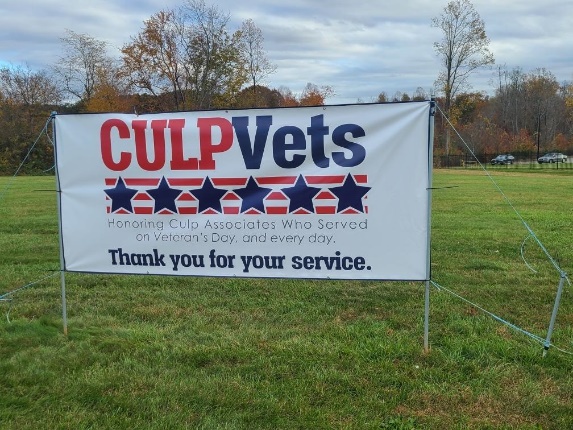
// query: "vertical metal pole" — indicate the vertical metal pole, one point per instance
point(62, 263)
point(64, 306)
point(429, 228)
point(554, 314)
point(427, 318)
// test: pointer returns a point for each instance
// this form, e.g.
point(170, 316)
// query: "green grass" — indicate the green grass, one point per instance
point(204, 353)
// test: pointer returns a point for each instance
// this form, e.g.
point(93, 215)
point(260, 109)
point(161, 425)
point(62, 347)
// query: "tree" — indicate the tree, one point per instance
point(27, 99)
point(265, 98)
point(256, 61)
point(397, 96)
point(510, 98)
point(382, 97)
point(83, 61)
point(189, 54)
point(466, 107)
point(23, 86)
point(153, 61)
point(312, 95)
point(288, 99)
point(420, 94)
point(462, 50)
point(542, 105)
point(111, 94)
point(213, 62)
point(567, 92)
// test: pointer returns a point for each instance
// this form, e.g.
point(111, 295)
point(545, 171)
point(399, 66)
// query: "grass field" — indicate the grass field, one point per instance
point(148, 352)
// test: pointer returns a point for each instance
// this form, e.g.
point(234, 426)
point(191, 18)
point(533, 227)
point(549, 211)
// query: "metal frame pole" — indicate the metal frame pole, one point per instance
point(62, 262)
point(547, 343)
point(429, 228)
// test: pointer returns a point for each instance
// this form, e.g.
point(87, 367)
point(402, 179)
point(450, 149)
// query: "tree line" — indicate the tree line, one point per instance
point(528, 114)
point(189, 59)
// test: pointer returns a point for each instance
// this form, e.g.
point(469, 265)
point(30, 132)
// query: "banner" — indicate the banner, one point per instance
point(313, 192)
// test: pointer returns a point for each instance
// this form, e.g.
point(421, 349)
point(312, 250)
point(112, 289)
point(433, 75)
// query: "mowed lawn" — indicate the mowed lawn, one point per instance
point(147, 352)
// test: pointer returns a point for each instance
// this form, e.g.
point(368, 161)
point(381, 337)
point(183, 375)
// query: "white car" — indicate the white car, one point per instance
point(552, 157)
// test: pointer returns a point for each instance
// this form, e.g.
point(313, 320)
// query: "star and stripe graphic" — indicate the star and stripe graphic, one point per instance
point(270, 195)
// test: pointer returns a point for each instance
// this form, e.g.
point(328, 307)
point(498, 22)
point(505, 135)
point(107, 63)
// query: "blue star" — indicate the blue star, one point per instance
point(164, 196)
point(350, 195)
point(121, 196)
point(253, 196)
point(209, 196)
point(301, 195)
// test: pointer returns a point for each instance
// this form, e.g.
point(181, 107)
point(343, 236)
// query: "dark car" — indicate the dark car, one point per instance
point(503, 159)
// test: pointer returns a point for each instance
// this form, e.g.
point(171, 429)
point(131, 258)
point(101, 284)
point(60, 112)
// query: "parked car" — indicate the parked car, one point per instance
point(552, 157)
point(503, 159)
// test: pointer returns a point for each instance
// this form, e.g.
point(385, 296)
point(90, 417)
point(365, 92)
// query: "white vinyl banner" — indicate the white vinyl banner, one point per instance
point(314, 192)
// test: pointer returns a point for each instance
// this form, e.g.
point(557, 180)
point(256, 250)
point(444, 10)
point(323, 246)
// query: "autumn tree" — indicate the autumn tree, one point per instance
point(262, 97)
point(153, 60)
point(463, 48)
point(313, 95)
point(288, 98)
point(112, 94)
point(382, 97)
point(190, 54)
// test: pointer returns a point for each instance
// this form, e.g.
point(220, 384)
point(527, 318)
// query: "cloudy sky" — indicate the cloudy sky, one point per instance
point(358, 47)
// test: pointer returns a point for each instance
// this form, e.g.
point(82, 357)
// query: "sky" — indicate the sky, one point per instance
point(359, 48)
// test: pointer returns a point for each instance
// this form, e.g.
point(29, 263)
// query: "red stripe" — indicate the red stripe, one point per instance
point(276, 195)
point(141, 182)
point(325, 195)
point(277, 210)
point(229, 182)
point(186, 197)
point(326, 179)
point(186, 182)
point(231, 196)
point(262, 180)
point(231, 210)
point(276, 180)
point(326, 210)
point(142, 196)
point(144, 210)
point(188, 211)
